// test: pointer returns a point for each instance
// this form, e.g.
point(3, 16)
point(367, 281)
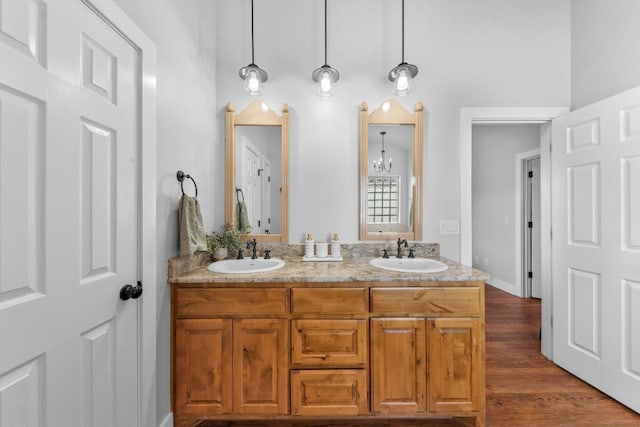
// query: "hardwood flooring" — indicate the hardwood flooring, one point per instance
point(524, 389)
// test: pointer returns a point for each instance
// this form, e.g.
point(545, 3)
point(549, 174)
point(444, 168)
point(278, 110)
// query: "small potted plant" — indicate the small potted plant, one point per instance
point(221, 243)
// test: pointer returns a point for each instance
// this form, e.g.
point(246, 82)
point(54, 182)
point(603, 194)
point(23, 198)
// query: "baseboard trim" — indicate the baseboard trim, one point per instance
point(504, 286)
point(168, 421)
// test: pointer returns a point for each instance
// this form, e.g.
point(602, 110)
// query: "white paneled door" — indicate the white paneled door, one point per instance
point(69, 128)
point(596, 245)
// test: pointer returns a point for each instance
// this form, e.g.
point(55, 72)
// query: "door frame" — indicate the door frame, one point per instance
point(510, 115)
point(115, 17)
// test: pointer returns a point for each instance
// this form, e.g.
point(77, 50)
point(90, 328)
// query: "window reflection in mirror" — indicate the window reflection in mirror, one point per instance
point(391, 172)
point(256, 187)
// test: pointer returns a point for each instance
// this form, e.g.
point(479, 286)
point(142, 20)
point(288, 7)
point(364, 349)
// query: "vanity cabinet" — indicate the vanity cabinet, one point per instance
point(287, 350)
point(230, 352)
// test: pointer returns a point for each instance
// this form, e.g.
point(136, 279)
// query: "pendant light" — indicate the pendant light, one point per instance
point(253, 75)
point(402, 74)
point(326, 76)
point(381, 166)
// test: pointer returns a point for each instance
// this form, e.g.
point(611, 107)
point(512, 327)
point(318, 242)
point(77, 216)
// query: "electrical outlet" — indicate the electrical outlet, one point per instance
point(449, 226)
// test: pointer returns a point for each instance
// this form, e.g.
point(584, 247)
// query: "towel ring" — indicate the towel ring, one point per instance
point(238, 193)
point(181, 177)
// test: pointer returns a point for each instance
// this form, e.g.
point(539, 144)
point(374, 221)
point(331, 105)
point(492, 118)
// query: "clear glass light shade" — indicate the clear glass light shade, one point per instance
point(253, 77)
point(325, 76)
point(401, 77)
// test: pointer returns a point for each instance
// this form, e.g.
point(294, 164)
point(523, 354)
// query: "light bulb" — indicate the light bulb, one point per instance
point(252, 83)
point(326, 87)
point(403, 82)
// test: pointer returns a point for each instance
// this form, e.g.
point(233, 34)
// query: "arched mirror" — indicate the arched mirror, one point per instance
point(257, 171)
point(391, 172)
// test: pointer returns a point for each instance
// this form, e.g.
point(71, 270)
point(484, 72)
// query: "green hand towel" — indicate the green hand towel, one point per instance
point(192, 236)
point(243, 218)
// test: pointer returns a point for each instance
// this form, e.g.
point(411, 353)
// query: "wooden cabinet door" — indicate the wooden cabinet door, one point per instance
point(203, 366)
point(398, 366)
point(456, 378)
point(260, 373)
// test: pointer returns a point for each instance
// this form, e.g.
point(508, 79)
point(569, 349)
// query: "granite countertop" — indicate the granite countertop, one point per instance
point(351, 269)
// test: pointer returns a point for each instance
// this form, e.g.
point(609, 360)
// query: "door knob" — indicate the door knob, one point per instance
point(125, 292)
point(131, 292)
point(136, 292)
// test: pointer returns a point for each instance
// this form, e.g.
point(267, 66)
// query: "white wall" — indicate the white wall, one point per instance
point(494, 149)
point(605, 49)
point(470, 53)
point(185, 41)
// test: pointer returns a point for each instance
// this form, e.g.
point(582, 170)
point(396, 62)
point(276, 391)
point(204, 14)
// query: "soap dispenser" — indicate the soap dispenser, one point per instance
point(335, 246)
point(308, 246)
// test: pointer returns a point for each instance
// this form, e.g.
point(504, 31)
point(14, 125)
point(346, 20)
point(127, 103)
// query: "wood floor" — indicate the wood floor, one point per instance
point(523, 387)
point(526, 389)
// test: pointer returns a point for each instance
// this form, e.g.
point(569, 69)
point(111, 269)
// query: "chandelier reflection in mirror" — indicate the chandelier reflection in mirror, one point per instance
point(381, 165)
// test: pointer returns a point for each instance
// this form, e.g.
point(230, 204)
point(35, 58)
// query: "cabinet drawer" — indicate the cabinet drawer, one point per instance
point(329, 392)
point(208, 302)
point(427, 301)
point(326, 300)
point(325, 342)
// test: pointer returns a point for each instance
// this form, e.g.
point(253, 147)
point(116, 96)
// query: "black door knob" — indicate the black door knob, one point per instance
point(126, 292)
point(136, 291)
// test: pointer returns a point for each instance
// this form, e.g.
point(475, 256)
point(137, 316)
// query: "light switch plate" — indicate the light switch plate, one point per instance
point(449, 226)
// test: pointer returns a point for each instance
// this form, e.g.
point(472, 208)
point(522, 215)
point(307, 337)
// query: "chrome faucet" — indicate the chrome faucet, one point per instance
point(252, 244)
point(400, 243)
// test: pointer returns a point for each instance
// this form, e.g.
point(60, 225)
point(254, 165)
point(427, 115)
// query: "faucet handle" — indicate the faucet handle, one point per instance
point(385, 253)
point(267, 254)
point(411, 253)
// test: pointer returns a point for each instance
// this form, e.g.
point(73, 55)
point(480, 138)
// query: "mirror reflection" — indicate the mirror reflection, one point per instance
point(390, 181)
point(390, 172)
point(258, 183)
point(257, 172)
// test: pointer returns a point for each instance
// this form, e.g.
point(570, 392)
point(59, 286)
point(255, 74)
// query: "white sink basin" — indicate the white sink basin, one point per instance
point(243, 266)
point(409, 265)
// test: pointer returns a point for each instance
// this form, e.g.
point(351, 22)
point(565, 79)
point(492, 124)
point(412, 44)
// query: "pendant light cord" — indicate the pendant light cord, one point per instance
point(402, 30)
point(252, 52)
point(325, 32)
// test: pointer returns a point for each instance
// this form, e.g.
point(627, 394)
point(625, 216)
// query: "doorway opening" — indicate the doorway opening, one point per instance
point(511, 115)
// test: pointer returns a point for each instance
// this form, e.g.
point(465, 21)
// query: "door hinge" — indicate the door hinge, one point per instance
point(530, 275)
point(530, 225)
point(258, 223)
point(269, 178)
point(530, 174)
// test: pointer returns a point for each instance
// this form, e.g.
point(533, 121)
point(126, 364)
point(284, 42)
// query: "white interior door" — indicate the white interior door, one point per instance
point(265, 180)
point(596, 245)
point(533, 222)
point(69, 126)
point(250, 159)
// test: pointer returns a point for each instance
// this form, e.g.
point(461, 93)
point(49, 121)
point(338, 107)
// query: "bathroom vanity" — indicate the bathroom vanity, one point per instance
point(328, 341)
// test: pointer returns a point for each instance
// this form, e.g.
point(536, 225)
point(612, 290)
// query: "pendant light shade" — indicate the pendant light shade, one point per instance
point(403, 73)
point(326, 75)
point(253, 76)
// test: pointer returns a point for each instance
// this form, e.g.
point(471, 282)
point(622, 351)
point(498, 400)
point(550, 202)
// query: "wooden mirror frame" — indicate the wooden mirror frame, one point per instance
point(257, 114)
point(395, 114)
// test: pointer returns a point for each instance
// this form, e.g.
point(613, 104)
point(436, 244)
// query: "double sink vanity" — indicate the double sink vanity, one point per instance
point(328, 341)
point(283, 341)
